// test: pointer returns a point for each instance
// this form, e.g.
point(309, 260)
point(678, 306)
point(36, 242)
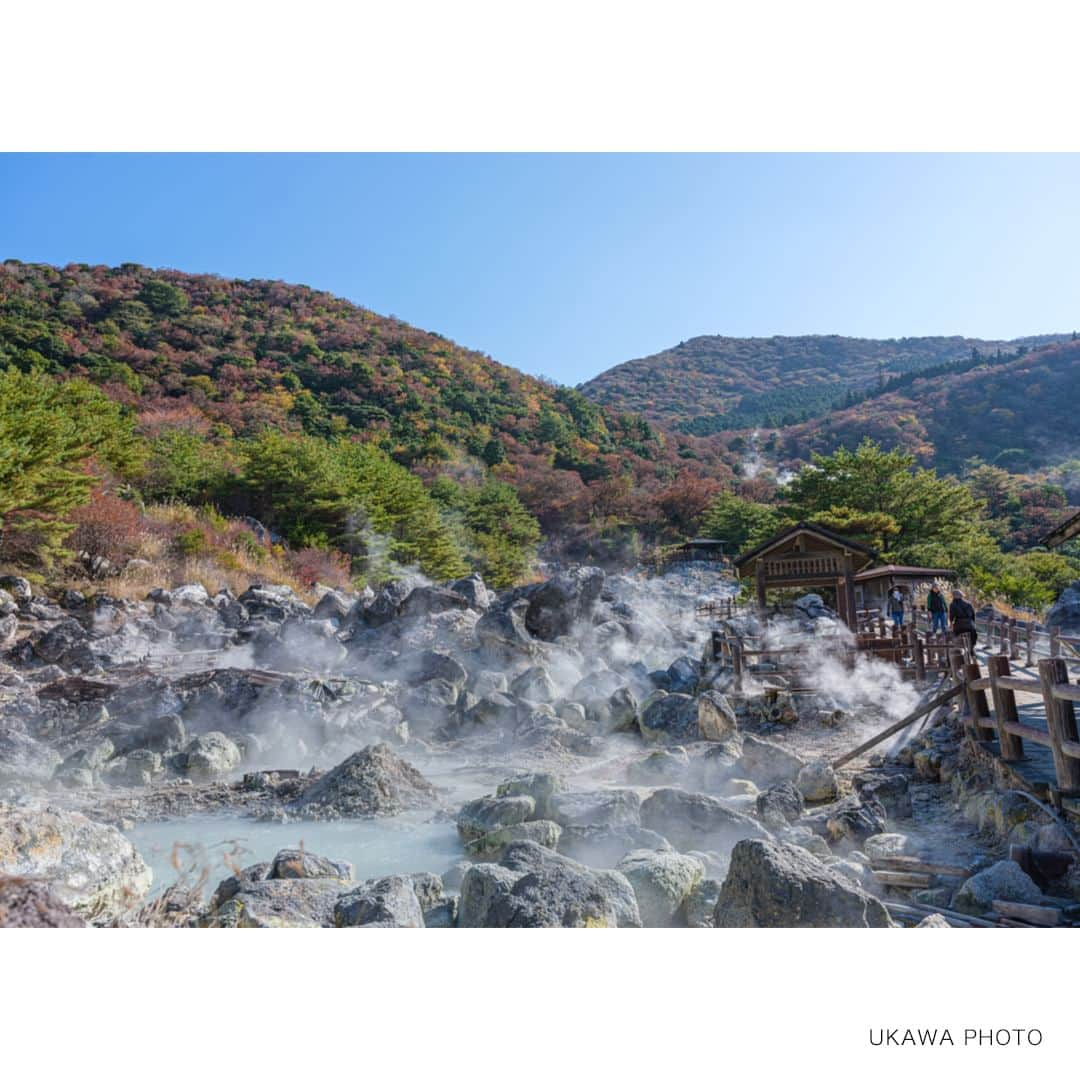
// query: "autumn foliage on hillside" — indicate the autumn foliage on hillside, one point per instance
point(204, 367)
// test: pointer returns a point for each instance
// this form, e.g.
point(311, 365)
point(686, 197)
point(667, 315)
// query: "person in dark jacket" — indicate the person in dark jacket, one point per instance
point(962, 617)
point(896, 607)
point(935, 604)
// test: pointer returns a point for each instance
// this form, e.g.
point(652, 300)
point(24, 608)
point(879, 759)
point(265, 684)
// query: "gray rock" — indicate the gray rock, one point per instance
point(774, 884)
point(1065, 613)
point(474, 592)
point(211, 756)
point(691, 820)
point(622, 710)
point(780, 804)
point(29, 904)
point(480, 887)
point(494, 710)
point(332, 605)
point(934, 922)
point(561, 601)
point(682, 676)
point(432, 664)
point(387, 603)
point(817, 782)
point(491, 844)
point(1002, 881)
point(92, 868)
point(488, 814)
point(372, 782)
point(535, 685)
point(716, 719)
point(385, 902)
point(701, 903)
point(9, 627)
point(534, 887)
point(661, 766)
point(604, 806)
point(294, 863)
point(768, 763)
point(19, 588)
point(539, 786)
point(662, 881)
point(669, 716)
point(284, 902)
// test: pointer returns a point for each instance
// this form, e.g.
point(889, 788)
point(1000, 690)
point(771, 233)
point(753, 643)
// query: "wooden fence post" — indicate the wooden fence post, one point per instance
point(980, 707)
point(737, 664)
point(919, 657)
point(1055, 644)
point(956, 666)
point(1012, 746)
point(1030, 642)
point(1060, 721)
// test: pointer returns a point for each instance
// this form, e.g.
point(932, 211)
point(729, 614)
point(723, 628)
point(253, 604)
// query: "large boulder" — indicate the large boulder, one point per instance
point(64, 644)
point(604, 806)
point(779, 805)
point(1065, 614)
point(211, 756)
point(1002, 881)
point(661, 880)
point(293, 863)
point(534, 887)
point(767, 762)
point(431, 600)
point(539, 786)
point(775, 884)
point(26, 904)
point(372, 782)
point(278, 903)
point(90, 867)
point(489, 814)
point(384, 902)
point(817, 782)
point(715, 716)
point(556, 605)
point(672, 717)
point(692, 821)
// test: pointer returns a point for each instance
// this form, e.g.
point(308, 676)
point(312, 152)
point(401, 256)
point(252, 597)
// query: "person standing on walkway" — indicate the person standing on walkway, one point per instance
point(962, 617)
point(935, 604)
point(896, 607)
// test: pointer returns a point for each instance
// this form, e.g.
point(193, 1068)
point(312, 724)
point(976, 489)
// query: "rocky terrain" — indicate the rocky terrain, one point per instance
point(591, 764)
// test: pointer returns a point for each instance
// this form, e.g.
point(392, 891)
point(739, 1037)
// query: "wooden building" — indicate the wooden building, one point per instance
point(873, 585)
point(808, 556)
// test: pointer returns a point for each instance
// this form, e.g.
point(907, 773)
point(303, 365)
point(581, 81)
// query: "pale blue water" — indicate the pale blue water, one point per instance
point(400, 845)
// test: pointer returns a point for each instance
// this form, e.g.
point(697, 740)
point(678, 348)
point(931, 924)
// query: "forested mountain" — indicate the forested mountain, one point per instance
point(711, 384)
point(1015, 412)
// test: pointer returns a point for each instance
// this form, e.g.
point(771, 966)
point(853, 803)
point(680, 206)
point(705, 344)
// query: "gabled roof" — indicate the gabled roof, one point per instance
point(805, 526)
point(893, 570)
point(1069, 528)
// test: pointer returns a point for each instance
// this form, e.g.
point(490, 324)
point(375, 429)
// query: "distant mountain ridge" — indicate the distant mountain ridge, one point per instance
point(714, 383)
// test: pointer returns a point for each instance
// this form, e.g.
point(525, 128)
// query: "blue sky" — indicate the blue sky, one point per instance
point(564, 265)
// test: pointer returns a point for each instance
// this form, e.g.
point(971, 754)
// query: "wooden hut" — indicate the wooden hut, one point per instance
point(807, 556)
point(873, 585)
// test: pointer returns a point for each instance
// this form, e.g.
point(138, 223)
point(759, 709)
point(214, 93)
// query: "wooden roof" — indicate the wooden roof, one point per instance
point(842, 543)
point(892, 570)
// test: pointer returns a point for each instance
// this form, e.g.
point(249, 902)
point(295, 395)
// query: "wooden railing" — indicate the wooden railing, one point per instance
point(999, 716)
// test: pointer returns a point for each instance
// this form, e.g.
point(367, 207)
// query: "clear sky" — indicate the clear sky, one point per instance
point(564, 265)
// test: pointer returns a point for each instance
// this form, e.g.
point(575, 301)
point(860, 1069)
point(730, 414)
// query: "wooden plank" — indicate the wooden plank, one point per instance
point(1030, 913)
point(914, 863)
point(900, 880)
point(920, 712)
point(1020, 685)
point(1010, 744)
point(1036, 735)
